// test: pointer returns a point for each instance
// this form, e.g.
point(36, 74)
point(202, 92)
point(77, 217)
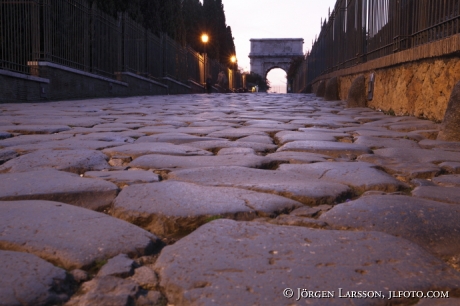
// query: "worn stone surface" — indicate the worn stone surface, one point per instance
point(75, 161)
point(330, 148)
point(139, 149)
point(124, 178)
point(441, 194)
point(381, 142)
point(297, 157)
point(6, 155)
point(145, 277)
point(120, 266)
point(53, 185)
point(219, 144)
point(4, 135)
point(175, 138)
point(448, 180)
point(236, 151)
point(69, 236)
point(451, 167)
point(176, 208)
point(35, 129)
point(432, 225)
point(360, 176)
point(332, 89)
point(288, 184)
point(403, 169)
point(28, 280)
point(321, 140)
point(450, 127)
point(288, 136)
point(437, 144)
point(228, 263)
point(357, 93)
point(106, 290)
point(168, 162)
point(257, 138)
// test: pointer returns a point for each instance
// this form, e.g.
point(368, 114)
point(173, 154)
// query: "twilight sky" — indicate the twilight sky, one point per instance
point(274, 19)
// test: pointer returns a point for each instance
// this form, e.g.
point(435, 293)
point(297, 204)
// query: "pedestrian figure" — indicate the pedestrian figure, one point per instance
point(222, 80)
point(209, 84)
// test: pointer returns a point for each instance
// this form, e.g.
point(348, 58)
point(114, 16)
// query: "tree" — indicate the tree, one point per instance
point(254, 79)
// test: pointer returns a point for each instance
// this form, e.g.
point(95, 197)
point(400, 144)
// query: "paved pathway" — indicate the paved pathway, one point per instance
point(233, 199)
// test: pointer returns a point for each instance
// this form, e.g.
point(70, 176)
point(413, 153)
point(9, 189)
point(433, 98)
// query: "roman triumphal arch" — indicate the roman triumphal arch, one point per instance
point(270, 53)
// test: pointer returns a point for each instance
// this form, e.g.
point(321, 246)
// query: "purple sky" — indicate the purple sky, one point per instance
point(274, 19)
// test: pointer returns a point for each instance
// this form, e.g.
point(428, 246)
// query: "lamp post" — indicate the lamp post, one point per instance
point(205, 39)
point(233, 60)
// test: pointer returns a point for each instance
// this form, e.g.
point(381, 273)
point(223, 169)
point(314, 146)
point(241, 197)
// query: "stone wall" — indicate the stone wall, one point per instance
point(416, 82)
point(16, 87)
point(421, 89)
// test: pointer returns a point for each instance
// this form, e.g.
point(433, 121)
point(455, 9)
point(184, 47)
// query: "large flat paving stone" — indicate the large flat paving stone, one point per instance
point(360, 176)
point(240, 263)
point(219, 144)
point(175, 138)
point(382, 142)
point(30, 139)
point(168, 162)
point(436, 193)
point(284, 137)
point(288, 184)
point(242, 132)
point(75, 161)
point(420, 155)
point(432, 225)
point(66, 144)
point(297, 157)
point(175, 208)
point(448, 180)
point(6, 155)
point(257, 138)
point(125, 178)
point(330, 148)
point(139, 149)
point(4, 135)
point(69, 236)
point(53, 185)
point(29, 280)
point(403, 169)
point(35, 129)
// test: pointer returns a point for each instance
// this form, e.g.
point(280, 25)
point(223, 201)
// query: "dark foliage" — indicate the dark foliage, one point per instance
point(253, 79)
point(183, 20)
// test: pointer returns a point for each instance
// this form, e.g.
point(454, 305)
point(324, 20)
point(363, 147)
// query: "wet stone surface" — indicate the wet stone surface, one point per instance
point(223, 199)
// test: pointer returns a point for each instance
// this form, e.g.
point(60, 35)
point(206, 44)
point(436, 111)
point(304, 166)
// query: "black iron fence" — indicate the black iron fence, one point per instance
point(75, 34)
point(361, 30)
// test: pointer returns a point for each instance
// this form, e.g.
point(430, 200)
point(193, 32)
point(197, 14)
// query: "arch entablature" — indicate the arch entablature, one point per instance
point(267, 54)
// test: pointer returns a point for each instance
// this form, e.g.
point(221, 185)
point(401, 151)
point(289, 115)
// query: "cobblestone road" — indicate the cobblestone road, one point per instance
point(225, 199)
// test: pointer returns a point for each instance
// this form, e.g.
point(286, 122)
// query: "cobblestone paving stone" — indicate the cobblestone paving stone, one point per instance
point(232, 198)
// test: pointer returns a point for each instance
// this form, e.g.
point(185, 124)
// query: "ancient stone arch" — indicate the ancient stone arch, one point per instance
point(270, 53)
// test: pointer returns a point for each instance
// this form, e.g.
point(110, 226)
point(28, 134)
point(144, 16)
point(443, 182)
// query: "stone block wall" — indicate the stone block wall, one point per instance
point(68, 83)
point(416, 82)
point(138, 85)
point(421, 89)
point(16, 87)
point(175, 87)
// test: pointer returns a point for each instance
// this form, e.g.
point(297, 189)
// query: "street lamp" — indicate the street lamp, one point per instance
point(205, 39)
point(233, 60)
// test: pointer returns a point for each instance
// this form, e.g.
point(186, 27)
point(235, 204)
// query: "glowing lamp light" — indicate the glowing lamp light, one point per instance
point(205, 38)
point(233, 59)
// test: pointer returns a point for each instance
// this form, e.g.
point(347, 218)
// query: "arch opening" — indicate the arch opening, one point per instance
point(277, 78)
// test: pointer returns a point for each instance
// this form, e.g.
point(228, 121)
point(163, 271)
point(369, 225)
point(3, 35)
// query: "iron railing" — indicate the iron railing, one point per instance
point(358, 31)
point(75, 34)
point(19, 35)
